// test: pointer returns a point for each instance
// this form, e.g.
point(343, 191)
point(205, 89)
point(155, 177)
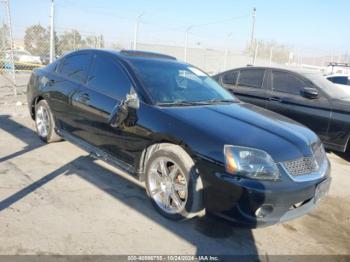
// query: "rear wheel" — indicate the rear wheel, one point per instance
point(44, 122)
point(172, 183)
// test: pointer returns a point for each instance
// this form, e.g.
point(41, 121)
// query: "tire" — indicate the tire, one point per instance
point(44, 114)
point(191, 201)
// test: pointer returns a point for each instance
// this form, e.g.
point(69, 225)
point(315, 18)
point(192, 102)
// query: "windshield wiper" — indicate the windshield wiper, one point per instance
point(194, 103)
point(184, 103)
point(212, 101)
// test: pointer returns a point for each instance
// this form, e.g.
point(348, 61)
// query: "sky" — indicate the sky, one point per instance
point(306, 26)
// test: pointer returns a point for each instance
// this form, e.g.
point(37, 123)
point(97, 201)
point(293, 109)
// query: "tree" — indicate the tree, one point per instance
point(37, 40)
point(4, 37)
point(71, 40)
point(91, 41)
point(280, 53)
point(101, 42)
point(94, 41)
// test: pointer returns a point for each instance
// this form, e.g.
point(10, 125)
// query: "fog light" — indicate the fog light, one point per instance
point(264, 211)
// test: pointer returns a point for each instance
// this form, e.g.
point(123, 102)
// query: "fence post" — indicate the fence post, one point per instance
point(52, 37)
point(186, 42)
point(13, 69)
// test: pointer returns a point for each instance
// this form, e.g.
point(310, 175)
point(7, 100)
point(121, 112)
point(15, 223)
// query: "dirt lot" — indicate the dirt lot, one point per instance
point(55, 199)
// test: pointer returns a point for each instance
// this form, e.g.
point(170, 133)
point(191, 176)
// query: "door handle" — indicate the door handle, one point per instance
point(83, 98)
point(51, 82)
point(275, 98)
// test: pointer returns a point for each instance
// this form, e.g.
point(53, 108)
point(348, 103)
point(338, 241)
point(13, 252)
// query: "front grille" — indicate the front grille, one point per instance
point(307, 165)
point(302, 166)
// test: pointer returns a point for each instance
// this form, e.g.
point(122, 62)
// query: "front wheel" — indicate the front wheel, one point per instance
point(173, 184)
point(44, 123)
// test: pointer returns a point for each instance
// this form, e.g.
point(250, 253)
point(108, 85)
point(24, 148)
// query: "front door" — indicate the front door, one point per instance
point(286, 97)
point(106, 87)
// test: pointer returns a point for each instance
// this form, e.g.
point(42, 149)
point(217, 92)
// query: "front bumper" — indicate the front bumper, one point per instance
point(258, 203)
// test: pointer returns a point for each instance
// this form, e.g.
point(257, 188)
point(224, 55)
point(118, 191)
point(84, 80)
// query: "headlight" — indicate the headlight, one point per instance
point(250, 162)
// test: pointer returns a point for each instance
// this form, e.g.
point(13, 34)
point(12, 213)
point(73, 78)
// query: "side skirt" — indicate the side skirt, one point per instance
point(97, 153)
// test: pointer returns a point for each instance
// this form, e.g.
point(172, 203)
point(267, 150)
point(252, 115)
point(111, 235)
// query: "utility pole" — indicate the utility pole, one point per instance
point(186, 42)
point(271, 52)
point(226, 50)
point(52, 38)
point(255, 53)
point(253, 28)
point(136, 30)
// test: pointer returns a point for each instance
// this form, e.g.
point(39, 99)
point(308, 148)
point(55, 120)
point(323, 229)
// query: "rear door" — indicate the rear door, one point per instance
point(68, 79)
point(247, 84)
point(107, 85)
point(286, 98)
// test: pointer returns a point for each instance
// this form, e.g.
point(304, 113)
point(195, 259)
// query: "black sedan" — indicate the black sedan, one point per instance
point(194, 144)
point(304, 96)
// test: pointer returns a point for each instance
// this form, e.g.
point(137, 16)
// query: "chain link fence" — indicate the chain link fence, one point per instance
point(26, 47)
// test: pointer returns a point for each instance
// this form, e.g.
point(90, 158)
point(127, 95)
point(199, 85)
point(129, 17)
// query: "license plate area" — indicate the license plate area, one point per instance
point(322, 190)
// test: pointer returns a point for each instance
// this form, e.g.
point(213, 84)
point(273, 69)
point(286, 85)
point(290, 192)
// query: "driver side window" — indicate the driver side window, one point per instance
point(287, 83)
point(108, 78)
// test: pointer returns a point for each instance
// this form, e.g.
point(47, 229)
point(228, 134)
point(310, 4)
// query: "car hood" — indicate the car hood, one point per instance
point(247, 125)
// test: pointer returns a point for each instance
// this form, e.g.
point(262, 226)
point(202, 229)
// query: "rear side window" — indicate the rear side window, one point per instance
point(287, 83)
point(75, 66)
point(343, 80)
point(108, 78)
point(230, 78)
point(251, 78)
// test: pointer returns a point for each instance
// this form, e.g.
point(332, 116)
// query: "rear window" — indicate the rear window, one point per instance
point(251, 78)
point(230, 78)
point(76, 66)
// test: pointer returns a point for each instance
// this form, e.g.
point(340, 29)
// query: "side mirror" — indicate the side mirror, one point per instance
point(125, 112)
point(310, 92)
point(132, 100)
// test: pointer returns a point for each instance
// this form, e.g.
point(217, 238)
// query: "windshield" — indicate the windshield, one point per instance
point(176, 83)
point(334, 91)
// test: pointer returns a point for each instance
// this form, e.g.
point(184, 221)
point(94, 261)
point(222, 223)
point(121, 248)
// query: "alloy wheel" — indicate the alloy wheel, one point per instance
point(168, 185)
point(42, 121)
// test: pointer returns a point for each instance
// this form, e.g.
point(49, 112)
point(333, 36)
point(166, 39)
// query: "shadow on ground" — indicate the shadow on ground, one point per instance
point(210, 235)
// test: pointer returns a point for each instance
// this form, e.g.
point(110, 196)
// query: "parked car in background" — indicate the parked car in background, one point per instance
point(305, 96)
point(45, 59)
point(23, 56)
point(339, 79)
point(171, 125)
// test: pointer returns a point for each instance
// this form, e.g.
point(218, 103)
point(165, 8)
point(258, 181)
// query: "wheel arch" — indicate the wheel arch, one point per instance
point(150, 149)
point(347, 144)
point(33, 104)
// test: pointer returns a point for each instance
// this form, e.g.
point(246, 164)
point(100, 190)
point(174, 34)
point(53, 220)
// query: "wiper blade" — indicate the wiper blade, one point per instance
point(193, 103)
point(221, 101)
point(184, 103)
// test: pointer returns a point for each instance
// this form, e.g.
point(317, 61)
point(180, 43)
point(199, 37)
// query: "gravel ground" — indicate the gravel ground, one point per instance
point(55, 199)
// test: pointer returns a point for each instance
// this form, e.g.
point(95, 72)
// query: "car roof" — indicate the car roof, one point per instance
point(338, 75)
point(131, 55)
point(300, 71)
